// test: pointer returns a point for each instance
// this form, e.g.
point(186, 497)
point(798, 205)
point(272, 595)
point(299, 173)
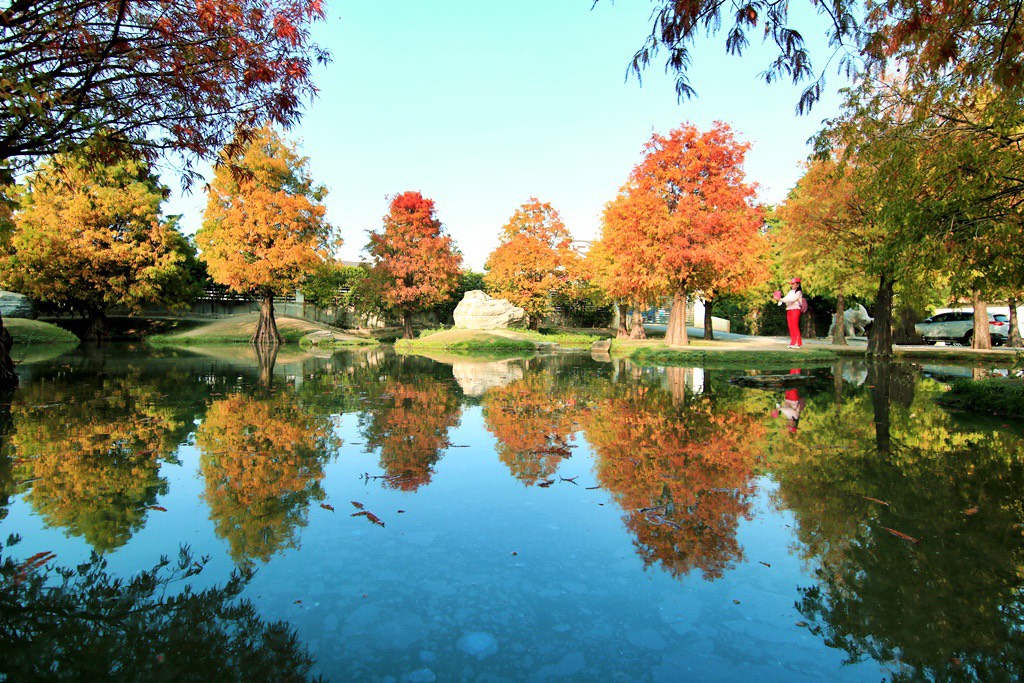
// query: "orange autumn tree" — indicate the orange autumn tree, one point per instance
point(415, 265)
point(682, 219)
point(680, 468)
point(533, 261)
point(535, 423)
point(264, 228)
point(622, 280)
point(408, 419)
point(262, 459)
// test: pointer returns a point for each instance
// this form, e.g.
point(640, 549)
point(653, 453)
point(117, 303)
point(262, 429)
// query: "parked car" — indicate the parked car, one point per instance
point(958, 327)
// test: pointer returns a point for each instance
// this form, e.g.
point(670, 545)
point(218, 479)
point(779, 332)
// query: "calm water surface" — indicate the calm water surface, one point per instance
point(394, 518)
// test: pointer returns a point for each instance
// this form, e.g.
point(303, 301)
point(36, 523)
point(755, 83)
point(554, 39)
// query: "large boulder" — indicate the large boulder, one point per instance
point(16, 305)
point(477, 311)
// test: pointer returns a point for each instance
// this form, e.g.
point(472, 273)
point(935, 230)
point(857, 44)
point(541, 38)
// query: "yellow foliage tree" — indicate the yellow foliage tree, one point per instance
point(264, 228)
point(533, 261)
point(89, 237)
point(262, 459)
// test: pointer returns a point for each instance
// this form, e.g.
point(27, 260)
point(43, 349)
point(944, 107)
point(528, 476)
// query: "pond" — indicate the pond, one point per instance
point(370, 516)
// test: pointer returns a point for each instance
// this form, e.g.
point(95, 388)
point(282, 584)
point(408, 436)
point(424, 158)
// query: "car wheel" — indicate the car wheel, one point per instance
point(929, 342)
point(968, 338)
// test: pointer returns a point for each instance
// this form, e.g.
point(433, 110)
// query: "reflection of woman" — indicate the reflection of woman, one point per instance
point(791, 407)
point(792, 301)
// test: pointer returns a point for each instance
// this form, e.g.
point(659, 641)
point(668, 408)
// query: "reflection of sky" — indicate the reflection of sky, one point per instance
point(481, 105)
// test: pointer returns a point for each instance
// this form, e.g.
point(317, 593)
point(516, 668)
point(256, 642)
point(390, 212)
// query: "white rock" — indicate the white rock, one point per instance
point(477, 311)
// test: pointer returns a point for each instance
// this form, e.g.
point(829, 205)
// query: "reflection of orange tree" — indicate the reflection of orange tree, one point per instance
point(680, 471)
point(262, 458)
point(409, 421)
point(534, 424)
point(951, 487)
point(91, 455)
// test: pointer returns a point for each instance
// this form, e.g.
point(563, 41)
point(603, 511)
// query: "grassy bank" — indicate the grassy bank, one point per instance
point(474, 342)
point(239, 329)
point(986, 396)
point(710, 357)
point(26, 332)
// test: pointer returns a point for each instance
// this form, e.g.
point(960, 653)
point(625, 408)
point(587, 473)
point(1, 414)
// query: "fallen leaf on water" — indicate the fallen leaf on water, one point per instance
point(735, 602)
point(546, 483)
point(955, 661)
point(357, 504)
point(972, 511)
point(157, 507)
point(326, 506)
point(370, 516)
point(875, 500)
point(767, 565)
point(401, 512)
point(801, 624)
point(514, 553)
point(900, 534)
point(297, 602)
point(592, 488)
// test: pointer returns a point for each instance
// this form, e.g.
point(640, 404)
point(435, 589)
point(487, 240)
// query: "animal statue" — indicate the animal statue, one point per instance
point(855, 320)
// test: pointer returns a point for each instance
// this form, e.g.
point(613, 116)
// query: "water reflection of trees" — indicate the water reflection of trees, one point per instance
point(262, 461)
point(534, 420)
point(407, 414)
point(87, 447)
point(85, 624)
point(680, 466)
point(911, 521)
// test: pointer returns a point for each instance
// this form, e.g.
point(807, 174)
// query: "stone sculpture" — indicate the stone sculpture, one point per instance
point(855, 321)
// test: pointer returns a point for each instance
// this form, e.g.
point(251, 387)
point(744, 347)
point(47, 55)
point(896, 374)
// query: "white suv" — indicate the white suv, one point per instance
point(958, 327)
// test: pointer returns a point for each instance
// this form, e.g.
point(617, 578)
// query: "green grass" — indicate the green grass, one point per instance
point(709, 357)
point(338, 343)
point(293, 336)
point(489, 345)
point(568, 340)
point(25, 332)
point(130, 328)
point(986, 396)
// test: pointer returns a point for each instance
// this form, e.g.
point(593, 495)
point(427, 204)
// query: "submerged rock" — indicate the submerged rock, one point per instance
point(478, 644)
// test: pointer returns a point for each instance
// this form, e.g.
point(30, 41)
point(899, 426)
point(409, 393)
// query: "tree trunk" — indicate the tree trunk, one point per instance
point(676, 380)
point(621, 332)
point(266, 333)
point(1014, 337)
point(636, 326)
point(709, 328)
point(96, 328)
point(839, 331)
point(266, 357)
point(8, 377)
point(982, 336)
point(880, 376)
point(676, 334)
point(880, 341)
point(534, 322)
point(407, 325)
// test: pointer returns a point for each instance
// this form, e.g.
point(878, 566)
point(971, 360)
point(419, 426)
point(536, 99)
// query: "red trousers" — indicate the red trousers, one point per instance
point(793, 318)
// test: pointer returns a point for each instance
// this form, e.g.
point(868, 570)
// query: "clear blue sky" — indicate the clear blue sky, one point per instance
point(481, 105)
